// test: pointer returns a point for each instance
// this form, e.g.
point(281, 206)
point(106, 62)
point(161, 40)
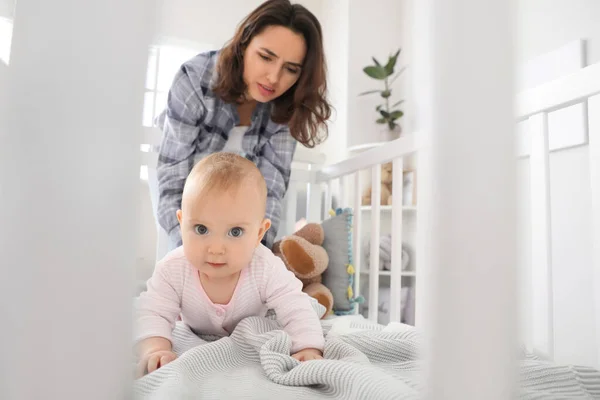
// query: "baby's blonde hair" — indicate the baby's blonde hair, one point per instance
point(224, 172)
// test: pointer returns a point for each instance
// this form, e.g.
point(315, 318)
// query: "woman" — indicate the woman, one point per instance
point(257, 96)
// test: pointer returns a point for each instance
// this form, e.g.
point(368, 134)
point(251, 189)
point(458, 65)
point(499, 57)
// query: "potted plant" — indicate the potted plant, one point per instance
point(387, 114)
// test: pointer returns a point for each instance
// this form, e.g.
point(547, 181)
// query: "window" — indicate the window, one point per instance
point(6, 28)
point(163, 63)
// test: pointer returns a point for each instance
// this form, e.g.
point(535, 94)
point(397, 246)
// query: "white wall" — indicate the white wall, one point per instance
point(544, 25)
point(204, 21)
point(375, 30)
point(334, 20)
point(573, 277)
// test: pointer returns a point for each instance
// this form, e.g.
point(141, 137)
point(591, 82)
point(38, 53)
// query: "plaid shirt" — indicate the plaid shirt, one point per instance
point(197, 123)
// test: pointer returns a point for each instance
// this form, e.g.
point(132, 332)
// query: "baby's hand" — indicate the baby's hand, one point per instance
point(153, 361)
point(308, 354)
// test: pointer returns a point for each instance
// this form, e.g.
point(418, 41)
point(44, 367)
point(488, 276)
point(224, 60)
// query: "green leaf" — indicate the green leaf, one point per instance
point(392, 125)
point(369, 92)
point(389, 67)
point(384, 113)
point(381, 121)
point(385, 94)
point(397, 103)
point(377, 72)
point(376, 62)
point(396, 114)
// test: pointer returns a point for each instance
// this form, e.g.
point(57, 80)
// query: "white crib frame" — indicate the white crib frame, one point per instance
point(463, 60)
point(534, 105)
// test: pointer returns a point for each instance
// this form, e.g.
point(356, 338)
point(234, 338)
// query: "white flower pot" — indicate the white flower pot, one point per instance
point(386, 134)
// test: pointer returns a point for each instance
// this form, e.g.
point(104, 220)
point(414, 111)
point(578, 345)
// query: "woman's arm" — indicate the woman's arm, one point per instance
point(180, 123)
point(275, 163)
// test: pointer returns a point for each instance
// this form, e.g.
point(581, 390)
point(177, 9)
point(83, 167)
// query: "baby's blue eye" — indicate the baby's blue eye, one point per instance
point(236, 232)
point(201, 229)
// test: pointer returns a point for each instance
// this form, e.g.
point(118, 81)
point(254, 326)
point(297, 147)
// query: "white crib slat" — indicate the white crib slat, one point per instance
point(541, 237)
point(396, 277)
point(374, 259)
point(328, 197)
point(343, 194)
point(422, 263)
point(356, 234)
point(291, 207)
point(313, 212)
point(594, 148)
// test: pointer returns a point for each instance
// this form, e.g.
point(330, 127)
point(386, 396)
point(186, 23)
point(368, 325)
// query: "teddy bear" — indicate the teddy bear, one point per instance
point(303, 254)
point(386, 187)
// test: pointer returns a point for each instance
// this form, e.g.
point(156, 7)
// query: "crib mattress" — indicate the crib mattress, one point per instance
point(363, 360)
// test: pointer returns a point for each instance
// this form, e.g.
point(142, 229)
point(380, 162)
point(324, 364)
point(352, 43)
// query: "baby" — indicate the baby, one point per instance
point(222, 273)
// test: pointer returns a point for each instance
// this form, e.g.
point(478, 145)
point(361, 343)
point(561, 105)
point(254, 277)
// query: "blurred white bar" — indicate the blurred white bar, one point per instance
point(374, 255)
point(291, 207)
point(313, 212)
point(594, 140)
point(356, 234)
point(328, 197)
point(420, 95)
point(397, 228)
point(69, 175)
point(472, 333)
point(541, 238)
point(423, 270)
point(343, 191)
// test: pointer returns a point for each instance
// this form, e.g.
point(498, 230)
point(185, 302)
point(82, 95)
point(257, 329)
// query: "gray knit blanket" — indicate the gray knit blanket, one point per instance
point(362, 361)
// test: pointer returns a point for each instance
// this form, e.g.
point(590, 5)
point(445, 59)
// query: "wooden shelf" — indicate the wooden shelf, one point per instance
point(389, 273)
point(389, 208)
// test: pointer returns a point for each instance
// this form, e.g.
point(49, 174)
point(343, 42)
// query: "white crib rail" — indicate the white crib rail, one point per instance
point(152, 137)
point(533, 106)
point(397, 216)
point(305, 163)
point(541, 252)
point(372, 160)
point(374, 253)
point(594, 149)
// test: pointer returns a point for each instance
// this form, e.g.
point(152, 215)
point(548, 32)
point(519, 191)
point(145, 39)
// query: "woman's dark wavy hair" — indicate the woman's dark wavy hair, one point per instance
point(303, 107)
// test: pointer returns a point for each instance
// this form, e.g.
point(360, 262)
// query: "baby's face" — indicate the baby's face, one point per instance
point(221, 230)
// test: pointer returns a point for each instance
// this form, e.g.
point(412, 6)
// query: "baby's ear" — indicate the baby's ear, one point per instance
point(265, 225)
point(179, 216)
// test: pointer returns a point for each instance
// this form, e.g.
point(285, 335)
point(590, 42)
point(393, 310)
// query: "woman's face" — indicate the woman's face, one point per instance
point(273, 62)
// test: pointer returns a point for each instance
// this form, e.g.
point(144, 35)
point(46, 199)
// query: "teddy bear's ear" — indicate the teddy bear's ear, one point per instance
point(313, 233)
point(276, 249)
